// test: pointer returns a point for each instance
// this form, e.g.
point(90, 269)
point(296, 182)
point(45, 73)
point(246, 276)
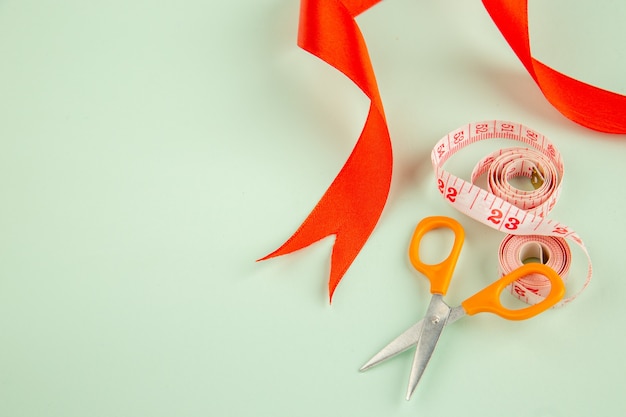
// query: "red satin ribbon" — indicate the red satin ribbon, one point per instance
point(590, 106)
point(353, 203)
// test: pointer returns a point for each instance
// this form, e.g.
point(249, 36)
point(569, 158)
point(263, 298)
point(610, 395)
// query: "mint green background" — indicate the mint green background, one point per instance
point(150, 151)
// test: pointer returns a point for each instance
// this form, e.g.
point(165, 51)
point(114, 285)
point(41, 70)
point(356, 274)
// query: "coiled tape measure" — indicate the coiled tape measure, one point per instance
point(522, 214)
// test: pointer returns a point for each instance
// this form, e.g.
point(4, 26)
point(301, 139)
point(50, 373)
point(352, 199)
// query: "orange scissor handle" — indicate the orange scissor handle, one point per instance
point(487, 300)
point(439, 274)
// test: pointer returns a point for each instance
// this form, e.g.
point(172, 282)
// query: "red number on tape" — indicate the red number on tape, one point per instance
point(496, 216)
point(452, 193)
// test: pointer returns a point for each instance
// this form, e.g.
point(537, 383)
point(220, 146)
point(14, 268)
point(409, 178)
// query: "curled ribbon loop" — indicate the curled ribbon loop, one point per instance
point(353, 203)
point(585, 104)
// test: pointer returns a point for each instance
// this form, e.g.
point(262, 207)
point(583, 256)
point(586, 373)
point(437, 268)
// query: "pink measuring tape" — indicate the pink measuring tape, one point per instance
point(522, 214)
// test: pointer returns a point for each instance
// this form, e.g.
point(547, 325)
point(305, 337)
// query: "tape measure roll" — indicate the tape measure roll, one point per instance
point(507, 208)
point(517, 250)
point(505, 164)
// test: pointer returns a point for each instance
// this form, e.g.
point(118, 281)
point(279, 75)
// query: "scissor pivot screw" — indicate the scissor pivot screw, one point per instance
point(435, 319)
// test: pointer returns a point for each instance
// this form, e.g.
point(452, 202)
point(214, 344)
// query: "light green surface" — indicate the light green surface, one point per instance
point(151, 151)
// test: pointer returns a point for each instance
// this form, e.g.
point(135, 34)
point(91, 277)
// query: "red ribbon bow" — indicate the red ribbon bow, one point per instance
point(353, 203)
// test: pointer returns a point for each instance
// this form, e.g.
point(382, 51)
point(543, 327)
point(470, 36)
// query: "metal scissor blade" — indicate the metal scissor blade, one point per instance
point(398, 345)
point(433, 324)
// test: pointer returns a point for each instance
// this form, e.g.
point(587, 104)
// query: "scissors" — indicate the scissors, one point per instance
point(425, 333)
